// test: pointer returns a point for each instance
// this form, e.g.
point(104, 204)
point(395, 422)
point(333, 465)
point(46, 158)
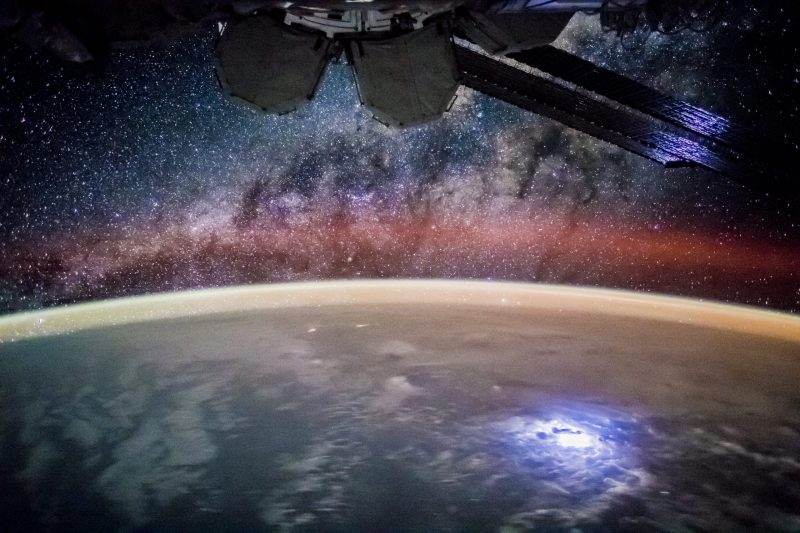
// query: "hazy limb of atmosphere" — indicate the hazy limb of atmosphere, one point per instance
point(147, 178)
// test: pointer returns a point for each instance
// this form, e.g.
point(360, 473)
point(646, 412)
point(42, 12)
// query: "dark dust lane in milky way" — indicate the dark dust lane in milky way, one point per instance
point(145, 177)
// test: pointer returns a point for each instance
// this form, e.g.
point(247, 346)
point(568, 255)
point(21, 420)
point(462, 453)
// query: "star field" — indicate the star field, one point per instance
point(145, 177)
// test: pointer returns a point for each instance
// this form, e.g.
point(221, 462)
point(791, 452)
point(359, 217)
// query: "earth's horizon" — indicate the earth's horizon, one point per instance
point(218, 300)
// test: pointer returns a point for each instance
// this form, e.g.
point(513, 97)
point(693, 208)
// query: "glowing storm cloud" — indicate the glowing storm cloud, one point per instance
point(582, 452)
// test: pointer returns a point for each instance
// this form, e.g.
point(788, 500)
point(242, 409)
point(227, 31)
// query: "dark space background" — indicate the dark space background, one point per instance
point(143, 177)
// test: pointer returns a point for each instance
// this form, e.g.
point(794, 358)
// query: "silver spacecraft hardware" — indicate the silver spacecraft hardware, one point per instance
point(410, 56)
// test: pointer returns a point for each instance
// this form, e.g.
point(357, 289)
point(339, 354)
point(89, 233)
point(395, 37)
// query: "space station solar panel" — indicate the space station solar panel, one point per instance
point(633, 94)
point(660, 142)
point(408, 79)
point(269, 65)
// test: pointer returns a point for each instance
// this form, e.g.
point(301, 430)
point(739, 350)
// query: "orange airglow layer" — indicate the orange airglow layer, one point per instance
point(596, 252)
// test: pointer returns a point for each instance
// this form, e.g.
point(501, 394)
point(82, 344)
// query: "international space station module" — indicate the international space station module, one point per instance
point(410, 56)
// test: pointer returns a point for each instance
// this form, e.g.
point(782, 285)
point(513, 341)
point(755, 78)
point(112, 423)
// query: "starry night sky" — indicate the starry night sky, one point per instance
point(145, 177)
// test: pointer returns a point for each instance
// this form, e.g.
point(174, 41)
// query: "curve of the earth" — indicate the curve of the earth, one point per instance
point(522, 296)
